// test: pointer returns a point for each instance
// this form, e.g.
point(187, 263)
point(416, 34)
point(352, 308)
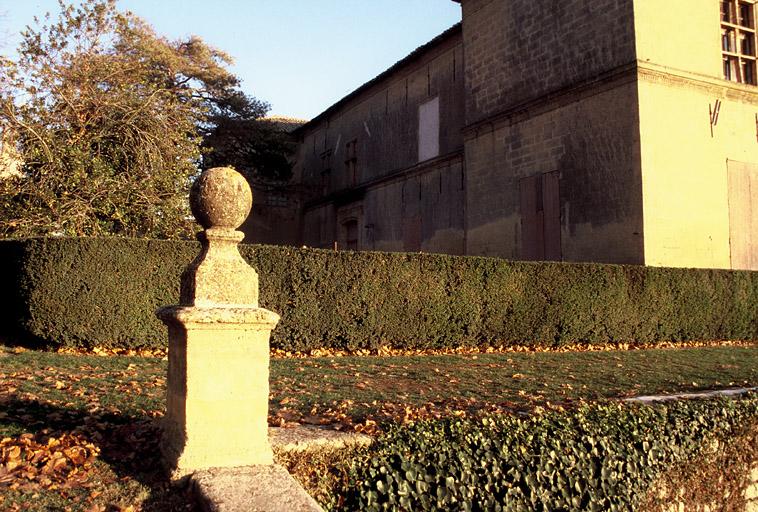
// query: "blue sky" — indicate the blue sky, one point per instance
point(301, 56)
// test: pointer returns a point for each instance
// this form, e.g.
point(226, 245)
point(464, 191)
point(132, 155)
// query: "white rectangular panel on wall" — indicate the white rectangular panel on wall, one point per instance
point(429, 129)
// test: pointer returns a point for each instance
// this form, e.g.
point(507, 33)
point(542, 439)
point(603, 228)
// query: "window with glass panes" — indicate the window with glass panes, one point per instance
point(738, 41)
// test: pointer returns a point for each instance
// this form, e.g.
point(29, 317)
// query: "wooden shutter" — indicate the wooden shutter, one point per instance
point(743, 214)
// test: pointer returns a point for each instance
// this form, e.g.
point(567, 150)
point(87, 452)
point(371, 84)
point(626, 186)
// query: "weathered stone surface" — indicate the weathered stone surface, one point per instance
point(751, 493)
point(216, 424)
point(217, 399)
point(184, 315)
point(704, 394)
point(219, 276)
point(251, 489)
point(305, 438)
point(221, 198)
point(218, 387)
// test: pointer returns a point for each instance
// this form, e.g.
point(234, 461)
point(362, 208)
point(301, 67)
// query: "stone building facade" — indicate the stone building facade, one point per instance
point(10, 162)
point(620, 131)
point(378, 179)
point(276, 213)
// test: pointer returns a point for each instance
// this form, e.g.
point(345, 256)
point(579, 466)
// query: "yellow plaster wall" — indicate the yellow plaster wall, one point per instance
point(684, 170)
point(680, 34)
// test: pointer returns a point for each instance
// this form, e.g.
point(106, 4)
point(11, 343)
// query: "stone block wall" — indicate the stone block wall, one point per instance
point(418, 211)
point(598, 108)
point(695, 44)
point(688, 169)
point(519, 50)
point(382, 121)
point(592, 142)
point(360, 160)
point(275, 217)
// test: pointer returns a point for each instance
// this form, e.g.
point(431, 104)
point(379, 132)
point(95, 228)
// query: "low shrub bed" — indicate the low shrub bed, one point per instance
point(607, 457)
point(86, 292)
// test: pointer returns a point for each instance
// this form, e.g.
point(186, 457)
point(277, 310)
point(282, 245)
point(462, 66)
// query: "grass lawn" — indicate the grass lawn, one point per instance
point(80, 432)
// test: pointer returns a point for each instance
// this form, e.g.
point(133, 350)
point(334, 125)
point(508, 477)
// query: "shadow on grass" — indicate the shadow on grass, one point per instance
point(129, 445)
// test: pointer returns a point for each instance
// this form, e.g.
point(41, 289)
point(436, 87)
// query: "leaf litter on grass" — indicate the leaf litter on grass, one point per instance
point(104, 410)
point(81, 433)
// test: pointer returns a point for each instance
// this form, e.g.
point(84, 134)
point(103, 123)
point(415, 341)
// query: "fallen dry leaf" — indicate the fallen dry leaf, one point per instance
point(31, 462)
point(390, 351)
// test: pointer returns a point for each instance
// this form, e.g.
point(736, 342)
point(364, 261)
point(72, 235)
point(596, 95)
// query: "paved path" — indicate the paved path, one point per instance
point(702, 394)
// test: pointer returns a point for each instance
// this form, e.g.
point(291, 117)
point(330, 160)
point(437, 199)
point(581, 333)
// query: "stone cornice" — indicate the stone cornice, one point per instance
point(622, 75)
point(653, 73)
point(240, 316)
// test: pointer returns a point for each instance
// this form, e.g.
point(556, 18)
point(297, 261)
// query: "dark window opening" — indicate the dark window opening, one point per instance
point(728, 68)
point(727, 40)
point(725, 13)
point(326, 181)
point(748, 72)
point(746, 15)
point(326, 171)
point(326, 160)
point(351, 162)
point(350, 229)
point(747, 44)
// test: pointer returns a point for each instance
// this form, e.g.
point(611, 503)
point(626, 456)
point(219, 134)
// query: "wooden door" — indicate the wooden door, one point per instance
point(540, 217)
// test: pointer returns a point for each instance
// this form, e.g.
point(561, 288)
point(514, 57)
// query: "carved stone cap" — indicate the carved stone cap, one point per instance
point(219, 277)
point(221, 198)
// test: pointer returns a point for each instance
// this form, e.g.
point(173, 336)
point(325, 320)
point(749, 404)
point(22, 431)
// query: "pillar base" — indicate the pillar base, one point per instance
point(217, 399)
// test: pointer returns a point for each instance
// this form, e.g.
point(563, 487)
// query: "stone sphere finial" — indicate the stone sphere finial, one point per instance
point(221, 198)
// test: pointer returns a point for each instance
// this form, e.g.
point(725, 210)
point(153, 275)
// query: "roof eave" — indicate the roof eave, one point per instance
point(439, 39)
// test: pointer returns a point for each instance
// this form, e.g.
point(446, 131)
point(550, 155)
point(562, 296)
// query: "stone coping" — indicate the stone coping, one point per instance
point(681, 396)
point(302, 438)
point(270, 488)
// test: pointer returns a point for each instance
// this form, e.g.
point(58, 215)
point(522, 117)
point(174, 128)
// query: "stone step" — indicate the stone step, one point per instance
point(267, 488)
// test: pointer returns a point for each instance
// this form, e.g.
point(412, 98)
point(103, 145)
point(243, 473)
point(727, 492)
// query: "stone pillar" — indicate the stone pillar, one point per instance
point(218, 369)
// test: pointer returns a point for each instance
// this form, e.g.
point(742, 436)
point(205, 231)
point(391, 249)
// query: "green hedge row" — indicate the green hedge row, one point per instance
point(104, 291)
point(598, 458)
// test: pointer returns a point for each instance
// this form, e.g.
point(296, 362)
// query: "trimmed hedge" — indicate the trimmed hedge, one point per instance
point(104, 292)
point(599, 458)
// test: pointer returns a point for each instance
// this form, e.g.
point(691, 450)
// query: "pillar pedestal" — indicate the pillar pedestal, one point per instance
point(218, 360)
point(217, 402)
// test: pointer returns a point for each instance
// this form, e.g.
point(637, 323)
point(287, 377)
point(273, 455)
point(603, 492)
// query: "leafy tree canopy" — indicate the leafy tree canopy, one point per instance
point(256, 147)
point(108, 118)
